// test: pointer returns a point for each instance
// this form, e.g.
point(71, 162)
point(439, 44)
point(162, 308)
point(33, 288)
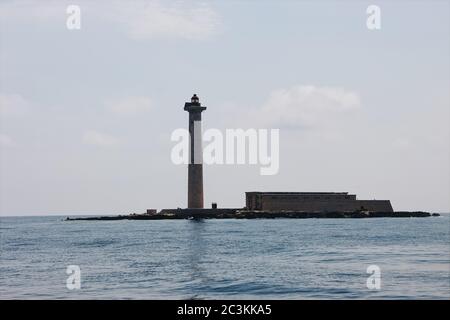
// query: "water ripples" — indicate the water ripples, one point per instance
point(251, 259)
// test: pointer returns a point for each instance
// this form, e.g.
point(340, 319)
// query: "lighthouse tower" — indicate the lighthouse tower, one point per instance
point(195, 167)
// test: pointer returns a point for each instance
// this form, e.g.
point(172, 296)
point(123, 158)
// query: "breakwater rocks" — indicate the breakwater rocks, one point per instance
point(172, 214)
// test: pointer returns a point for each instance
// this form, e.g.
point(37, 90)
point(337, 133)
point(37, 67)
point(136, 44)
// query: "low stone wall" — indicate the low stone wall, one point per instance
point(326, 205)
point(374, 205)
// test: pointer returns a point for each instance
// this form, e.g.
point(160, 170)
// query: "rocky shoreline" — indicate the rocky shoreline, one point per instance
point(176, 214)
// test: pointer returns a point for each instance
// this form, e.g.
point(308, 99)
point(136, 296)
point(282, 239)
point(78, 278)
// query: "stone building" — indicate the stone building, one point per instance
point(313, 202)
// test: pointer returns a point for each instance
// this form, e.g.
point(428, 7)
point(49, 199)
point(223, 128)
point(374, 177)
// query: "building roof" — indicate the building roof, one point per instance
point(296, 193)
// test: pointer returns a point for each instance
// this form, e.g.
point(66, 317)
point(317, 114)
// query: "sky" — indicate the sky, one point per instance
point(86, 115)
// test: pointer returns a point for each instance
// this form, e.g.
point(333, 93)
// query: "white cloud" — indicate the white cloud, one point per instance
point(307, 106)
point(99, 139)
point(147, 20)
point(6, 141)
point(141, 20)
point(130, 105)
point(13, 105)
point(30, 11)
point(402, 143)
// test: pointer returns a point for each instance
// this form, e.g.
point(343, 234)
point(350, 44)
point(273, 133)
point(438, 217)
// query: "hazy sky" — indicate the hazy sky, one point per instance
point(87, 115)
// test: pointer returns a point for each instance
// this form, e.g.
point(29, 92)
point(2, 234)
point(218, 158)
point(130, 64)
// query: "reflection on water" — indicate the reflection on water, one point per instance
point(196, 251)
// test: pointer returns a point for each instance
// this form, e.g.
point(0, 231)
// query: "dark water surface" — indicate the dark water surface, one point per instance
point(260, 259)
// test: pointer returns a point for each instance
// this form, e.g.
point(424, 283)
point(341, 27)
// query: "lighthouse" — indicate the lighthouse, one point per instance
point(195, 166)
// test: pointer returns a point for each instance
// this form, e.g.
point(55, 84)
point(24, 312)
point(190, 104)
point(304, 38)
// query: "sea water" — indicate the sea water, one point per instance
point(230, 259)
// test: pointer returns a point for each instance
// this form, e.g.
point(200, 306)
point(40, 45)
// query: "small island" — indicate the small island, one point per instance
point(198, 214)
point(262, 205)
